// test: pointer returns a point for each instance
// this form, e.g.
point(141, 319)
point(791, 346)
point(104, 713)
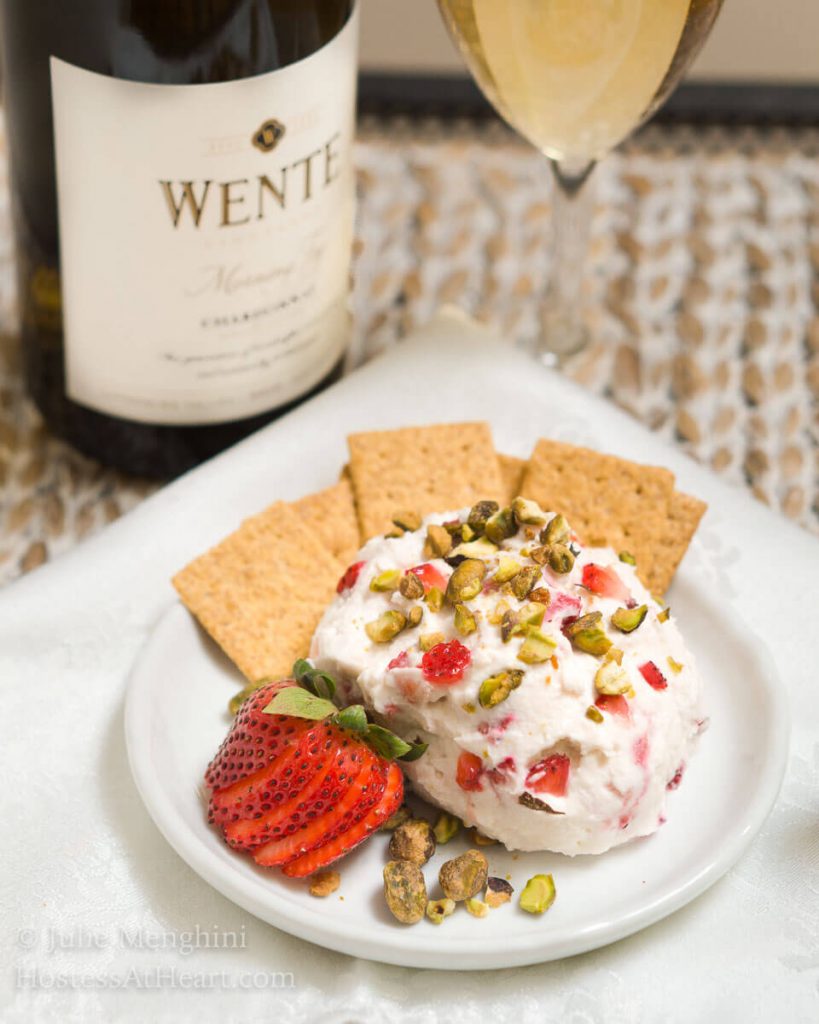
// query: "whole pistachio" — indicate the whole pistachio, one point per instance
point(414, 840)
point(466, 581)
point(558, 531)
point(538, 894)
point(405, 890)
point(411, 587)
point(386, 627)
point(463, 877)
point(496, 689)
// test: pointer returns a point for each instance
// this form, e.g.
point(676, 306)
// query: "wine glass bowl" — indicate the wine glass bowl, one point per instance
point(575, 78)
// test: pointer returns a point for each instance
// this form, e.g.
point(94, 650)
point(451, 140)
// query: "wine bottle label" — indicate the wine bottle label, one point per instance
point(205, 236)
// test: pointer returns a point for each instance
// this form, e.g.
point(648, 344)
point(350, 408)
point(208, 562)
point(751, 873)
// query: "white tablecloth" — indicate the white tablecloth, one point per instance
point(102, 921)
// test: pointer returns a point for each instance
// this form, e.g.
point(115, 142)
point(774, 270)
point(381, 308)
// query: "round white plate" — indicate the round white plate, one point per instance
point(176, 718)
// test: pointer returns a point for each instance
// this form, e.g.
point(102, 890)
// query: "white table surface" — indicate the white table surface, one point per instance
point(86, 871)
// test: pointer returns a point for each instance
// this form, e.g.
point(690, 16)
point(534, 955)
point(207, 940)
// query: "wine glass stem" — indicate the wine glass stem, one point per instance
point(563, 329)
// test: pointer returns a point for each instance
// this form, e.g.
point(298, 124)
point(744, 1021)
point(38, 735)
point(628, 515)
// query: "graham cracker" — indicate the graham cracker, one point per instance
point(684, 515)
point(330, 514)
point(512, 469)
point(606, 499)
point(427, 469)
point(261, 592)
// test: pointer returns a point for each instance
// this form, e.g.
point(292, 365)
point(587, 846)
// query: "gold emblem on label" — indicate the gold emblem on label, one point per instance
point(269, 135)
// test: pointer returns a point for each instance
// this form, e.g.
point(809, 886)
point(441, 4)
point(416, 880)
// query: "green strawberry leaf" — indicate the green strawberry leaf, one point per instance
point(300, 703)
point(318, 683)
point(386, 743)
point(415, 751)
point(353, 718)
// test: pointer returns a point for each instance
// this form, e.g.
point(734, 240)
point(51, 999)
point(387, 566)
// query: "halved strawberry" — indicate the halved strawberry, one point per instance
point(615, 704)
point(363, 790)
point(429, 576)
point(344, 842)
point(605, 582)
point(254, 738)
point(551, 775)
point(468, 772)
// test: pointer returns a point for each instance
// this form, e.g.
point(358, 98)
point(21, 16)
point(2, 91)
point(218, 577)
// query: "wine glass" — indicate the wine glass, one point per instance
point(575, 77)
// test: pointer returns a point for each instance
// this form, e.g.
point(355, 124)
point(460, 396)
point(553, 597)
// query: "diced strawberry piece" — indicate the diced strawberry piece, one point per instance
point(605, 582)
point(399, 661)
point(350, 577)
point(560, 604)
point(445, 664)
point(344, 842)
point(614, 704)
point(254, 738)
point(640, 751)
point(551, 775)
point(429, 576)
point(494, 730)
point(653, 676)
point(361, 791)
point(676, 779)
point(500, 774)
point(468, 772)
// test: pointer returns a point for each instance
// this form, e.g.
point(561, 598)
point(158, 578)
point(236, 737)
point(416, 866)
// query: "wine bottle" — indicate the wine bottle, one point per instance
point(182, 190)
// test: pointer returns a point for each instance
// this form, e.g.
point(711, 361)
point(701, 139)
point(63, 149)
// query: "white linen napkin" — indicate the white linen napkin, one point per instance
point(102, 921)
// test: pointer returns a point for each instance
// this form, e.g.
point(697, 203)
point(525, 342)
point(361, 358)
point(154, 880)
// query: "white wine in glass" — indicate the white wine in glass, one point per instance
point(575, 77)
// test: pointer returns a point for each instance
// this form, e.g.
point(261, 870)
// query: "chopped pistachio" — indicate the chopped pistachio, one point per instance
point(500, 526)
point(407, 519)
point(386, 627)
point(466, 581)
point(480, 839)
point(465, 621)
point(498, 892)
point(446, 827)
point(541, 595)
point(614, 654)
point(536, 648)
point(627, 557)
point(435, 599)
point(463, 877)
point(557, 532)
point(429, 640)
point(628, 619)
point(528, 512)
point(611, 679)
point(394, 533)
point(467, 533)
point(479, 514)
point(561, 559)
point(411, 587)
point(538, 894)
point(438, 543)
point(476, 907)
point(405, 890)
point(525, 580)
point(324, 883)
point(400, 816)
point(414, 616)
point(496, 616)
point(586, 634)
point(675, 666)
point(540, 555)
point(510, 625)
point(507, 569)
point(480, 548)
point(437, 910)
point(496, 689)
point(469, 707)
point(531, 614)
point(386, 581)
point(664, 615)
point(595, 714)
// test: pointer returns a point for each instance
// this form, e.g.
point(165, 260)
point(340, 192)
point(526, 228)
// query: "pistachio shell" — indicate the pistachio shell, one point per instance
point(465, 621)
point(538, 894)
point(386, 581)
point(438, 542)
point(536, 648)
point(466, 581)
point(386, 627)
point(500, 526)
point(628, 619)
point(496, 689)
point(528, 512)
point(557, 532)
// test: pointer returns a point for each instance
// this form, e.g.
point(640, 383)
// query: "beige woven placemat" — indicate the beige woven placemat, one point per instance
point(704, 278)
